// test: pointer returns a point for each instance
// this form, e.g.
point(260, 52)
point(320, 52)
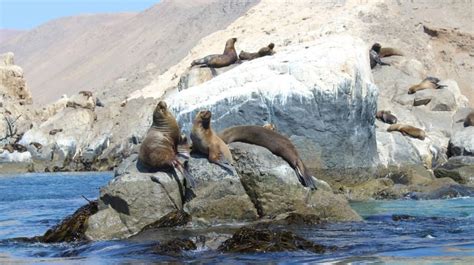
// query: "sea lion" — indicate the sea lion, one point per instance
point(15, 147)
point(37, 145)
point(159, 149)
point(427, 83)
point(408, 130)
point(206, 141)
point(374, 56)
point(268, 50)
point(269, 126)
point(469, 120)
point(386, 116)
point(55, 131)
point(228, 57)
point(387, 52)
point(278, 144)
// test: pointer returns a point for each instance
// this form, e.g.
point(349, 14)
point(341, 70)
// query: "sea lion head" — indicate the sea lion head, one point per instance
point(161, 112)
point(376, 47)
point(271, 45)
point(204, 118)
point(270, 126)
point(229, 45)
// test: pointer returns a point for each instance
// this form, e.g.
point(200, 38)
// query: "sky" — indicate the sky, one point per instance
point(27, 14)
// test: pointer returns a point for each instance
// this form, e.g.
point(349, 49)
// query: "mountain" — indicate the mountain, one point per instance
point(116, 52)
point(8, 34)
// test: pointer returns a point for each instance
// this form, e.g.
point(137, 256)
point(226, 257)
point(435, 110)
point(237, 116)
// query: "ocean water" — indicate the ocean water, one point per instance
point(438, 231)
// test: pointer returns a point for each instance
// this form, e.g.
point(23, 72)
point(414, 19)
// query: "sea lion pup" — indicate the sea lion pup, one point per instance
point(268, 50)
point(374, 56)
point(228, 57)
point(278, 144)
point(206, 141)
point(408, 130)
point(159, 149)
point(429, 82)
point(386, 116)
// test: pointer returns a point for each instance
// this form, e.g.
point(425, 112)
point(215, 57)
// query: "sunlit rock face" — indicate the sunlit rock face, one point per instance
point(320, 95)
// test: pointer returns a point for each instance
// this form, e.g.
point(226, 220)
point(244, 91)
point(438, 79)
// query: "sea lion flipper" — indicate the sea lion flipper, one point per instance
point(305, 179)
point(187, 175)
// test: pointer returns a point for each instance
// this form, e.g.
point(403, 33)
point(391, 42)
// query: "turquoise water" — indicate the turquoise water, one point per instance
point(435, 232)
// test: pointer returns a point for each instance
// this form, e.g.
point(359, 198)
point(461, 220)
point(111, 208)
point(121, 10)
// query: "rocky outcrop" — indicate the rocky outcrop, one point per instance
point(458, 168)
point(194, 76)
point(12, 82)
point(462, 142)
point(263, 185)
point(321, 95)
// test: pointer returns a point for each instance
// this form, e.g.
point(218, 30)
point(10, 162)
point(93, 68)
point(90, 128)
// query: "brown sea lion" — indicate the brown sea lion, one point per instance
point(278, 144)
point(268, 50)
point(386, 116)
point(270, 126)
point(469, 120)
point(228, 57)
point(15, 147)
point(374, 56)
point(408, 130)
point(159, 149)
point(36, 145)
point(427, 83)
point(55, 131)
point(206, 141)
point(387, 52)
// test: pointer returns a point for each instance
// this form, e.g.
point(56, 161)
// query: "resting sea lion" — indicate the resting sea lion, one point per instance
point(278, 144)
point(159, 149)
point(386, 116)
point(55, 131)
point(220, 60)
point(36, 145)
point(429, 82)
point(206, 141)
point(374, 56)
point(469, 120)
point(387, 52)
point(268, 50)
point(408, 130)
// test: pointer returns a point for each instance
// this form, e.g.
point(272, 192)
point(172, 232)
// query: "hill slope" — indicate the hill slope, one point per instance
point(90, 52)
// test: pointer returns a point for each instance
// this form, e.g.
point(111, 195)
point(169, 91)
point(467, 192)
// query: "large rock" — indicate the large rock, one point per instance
point(12, 83)
point(323, 93)
point(458, 168)
point(263, 185)
point(462, 142)
point(274, 188)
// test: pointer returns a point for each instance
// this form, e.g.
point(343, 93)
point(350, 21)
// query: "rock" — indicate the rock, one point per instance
point(274, 188)
point(72, 228)
point(220, 195)
point(329, 80)
point(197, 75)
point(174, 247)
point(459, 168)
point(12, 82)
point(82, 101)
point(249, 240)
point(132, 201)
point(446, 192)
point(462, 142)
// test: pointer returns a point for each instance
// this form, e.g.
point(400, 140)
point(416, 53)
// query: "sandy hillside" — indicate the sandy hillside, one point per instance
point(8, 34)
point(115, 52)
point(397, 24)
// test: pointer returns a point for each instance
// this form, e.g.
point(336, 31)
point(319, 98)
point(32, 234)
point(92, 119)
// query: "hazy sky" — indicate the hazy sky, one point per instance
point(27, 14)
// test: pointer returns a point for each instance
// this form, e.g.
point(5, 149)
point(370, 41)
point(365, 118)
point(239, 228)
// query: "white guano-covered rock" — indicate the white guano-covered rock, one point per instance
point(321, 91)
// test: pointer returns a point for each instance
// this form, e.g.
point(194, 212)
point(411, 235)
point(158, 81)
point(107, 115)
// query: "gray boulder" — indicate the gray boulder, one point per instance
point(458, 168)
point(462, 142)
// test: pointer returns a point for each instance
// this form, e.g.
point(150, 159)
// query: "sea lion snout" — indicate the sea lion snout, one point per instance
point(205, 114)
point(162, 105)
